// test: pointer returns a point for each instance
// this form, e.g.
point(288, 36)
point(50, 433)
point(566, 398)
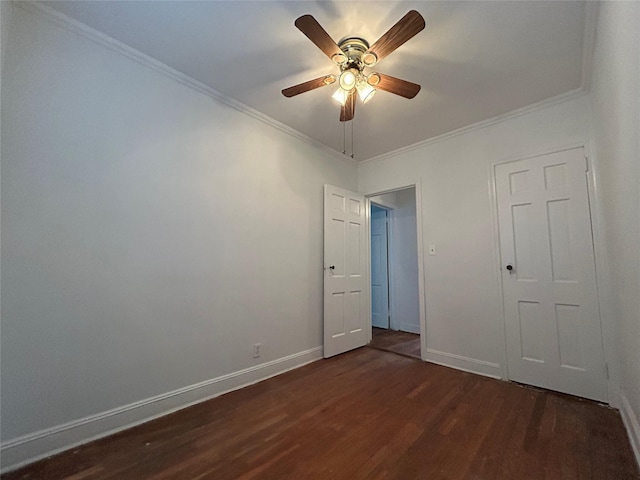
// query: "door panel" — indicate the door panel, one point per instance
point(524, 242)
point(379, 268)
point(531, 332)
point(345, 271)
point(550, 299)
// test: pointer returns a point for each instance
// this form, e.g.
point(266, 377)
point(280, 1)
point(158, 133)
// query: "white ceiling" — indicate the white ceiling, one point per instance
point(474, 60)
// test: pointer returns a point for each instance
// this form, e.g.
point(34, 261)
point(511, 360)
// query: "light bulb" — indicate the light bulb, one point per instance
point(340, 96)
point(348, 79)
point(365, 91)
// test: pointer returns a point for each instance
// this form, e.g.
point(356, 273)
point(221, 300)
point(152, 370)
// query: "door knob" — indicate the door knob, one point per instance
point(332, 267)
point(510, 268)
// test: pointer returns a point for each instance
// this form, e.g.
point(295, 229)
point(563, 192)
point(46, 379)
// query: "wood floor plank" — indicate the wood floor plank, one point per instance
point(367, 414)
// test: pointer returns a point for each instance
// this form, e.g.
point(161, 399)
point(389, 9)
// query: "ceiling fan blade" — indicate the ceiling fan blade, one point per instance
point(310, 85)
point(396, 85)
point(408, 26)
point(349, 110)
point(312, 29)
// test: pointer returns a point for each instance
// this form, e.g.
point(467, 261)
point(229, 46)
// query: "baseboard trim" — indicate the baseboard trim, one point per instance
point(466, 364)
point(631, 423)
point(35, 446)
point(408, 327)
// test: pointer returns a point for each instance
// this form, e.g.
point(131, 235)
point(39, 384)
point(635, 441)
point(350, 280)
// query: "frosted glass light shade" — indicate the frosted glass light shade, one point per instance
point(365, 91)
point(341, 96)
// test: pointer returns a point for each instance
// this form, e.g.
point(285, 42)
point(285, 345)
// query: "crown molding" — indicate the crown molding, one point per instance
point(114, 45)
point(70, 24)
point(563, 97)
point(588, 47)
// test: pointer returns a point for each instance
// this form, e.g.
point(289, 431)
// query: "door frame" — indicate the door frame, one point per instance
point(389, 244)
point(604, 294)
point(417, 186)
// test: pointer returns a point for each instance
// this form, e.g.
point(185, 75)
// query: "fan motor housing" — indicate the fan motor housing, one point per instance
point(354, 48)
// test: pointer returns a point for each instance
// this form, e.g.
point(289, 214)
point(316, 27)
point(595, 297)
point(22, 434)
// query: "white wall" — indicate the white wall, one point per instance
point(150, 236)
point(403, 255)
point(463, 293)
point(5, 12)
point(616, 109)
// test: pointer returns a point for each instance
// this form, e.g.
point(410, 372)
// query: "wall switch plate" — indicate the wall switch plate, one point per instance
point(257, 350)
point(432, 249)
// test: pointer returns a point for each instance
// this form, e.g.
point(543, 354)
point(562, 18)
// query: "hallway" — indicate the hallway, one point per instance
point(402, 343)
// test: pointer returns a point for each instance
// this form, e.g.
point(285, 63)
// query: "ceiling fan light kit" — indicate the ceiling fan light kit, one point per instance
point(348, 78)
point(352, 55)
point(340, 96)
point(365, 91)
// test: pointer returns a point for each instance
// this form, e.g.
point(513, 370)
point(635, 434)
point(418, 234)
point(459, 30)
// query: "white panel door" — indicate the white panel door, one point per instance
point(346, 265)
point(379, 268)
point(554, 338)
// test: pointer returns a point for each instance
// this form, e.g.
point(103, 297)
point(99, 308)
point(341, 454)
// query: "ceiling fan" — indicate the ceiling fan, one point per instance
point(352, 55)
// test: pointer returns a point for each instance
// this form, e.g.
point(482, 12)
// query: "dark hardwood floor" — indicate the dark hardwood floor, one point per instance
point(395, 341)
point(367, 414)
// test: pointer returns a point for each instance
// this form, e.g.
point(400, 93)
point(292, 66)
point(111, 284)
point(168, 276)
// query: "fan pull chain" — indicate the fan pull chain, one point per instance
point(352, 122)
point(344, 138)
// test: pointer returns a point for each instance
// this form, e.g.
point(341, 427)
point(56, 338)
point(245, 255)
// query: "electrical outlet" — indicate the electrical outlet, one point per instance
point(257, 350)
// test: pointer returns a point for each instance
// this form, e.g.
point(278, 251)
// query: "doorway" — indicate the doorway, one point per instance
point(380, 315)
point(395, 290)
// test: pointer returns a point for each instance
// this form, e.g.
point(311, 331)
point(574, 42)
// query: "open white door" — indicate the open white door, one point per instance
point(550, 299)
point(345, 271)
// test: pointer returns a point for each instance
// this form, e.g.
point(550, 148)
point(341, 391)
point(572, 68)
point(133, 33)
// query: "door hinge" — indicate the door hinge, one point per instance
point(606, 370)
